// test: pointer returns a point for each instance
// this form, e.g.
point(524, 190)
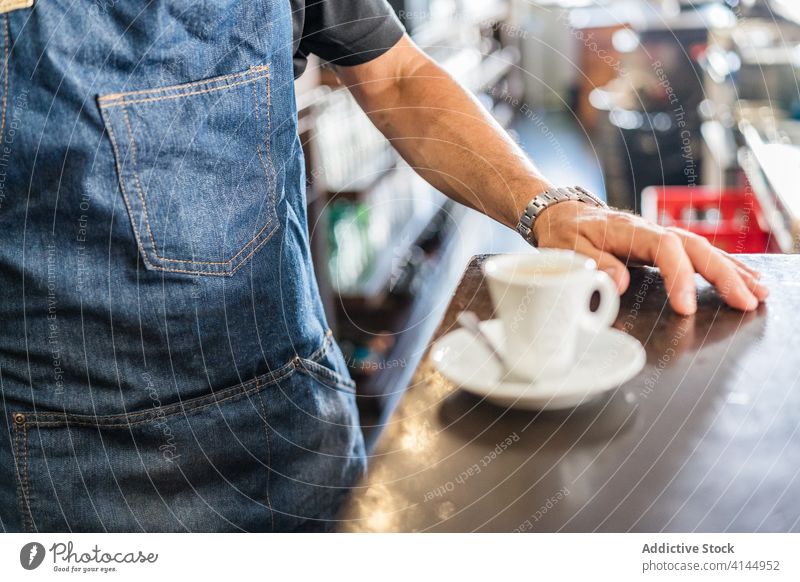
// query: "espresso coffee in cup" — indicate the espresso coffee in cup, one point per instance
point(544, 301)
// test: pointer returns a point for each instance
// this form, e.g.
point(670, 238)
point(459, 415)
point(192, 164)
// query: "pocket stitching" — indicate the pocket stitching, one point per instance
point(270, 181)
point(23, 479)
point(68, 420)
point(119, 100)
point(140, 191)
point(117, 162)
point(326, 376)
point(6, 36)
point(313, 367)
point(50, 419)
point(135, 165)
point(323, 348)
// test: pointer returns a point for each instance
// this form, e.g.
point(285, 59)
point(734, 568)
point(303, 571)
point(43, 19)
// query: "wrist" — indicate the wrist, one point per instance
point(522, 195)
point(540, 203)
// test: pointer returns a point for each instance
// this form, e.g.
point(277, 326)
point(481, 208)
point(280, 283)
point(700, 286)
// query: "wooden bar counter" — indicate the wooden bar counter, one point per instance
point(705, 438)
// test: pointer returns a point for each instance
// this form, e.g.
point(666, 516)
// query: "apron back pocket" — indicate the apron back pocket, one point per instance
point(196, 171)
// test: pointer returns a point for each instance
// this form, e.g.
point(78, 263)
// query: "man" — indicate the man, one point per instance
point(164, 358)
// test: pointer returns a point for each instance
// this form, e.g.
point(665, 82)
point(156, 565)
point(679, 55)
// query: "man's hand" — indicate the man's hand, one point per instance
point(608, 236)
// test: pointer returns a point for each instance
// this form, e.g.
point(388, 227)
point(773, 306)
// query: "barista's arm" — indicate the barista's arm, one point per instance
point(445, 134)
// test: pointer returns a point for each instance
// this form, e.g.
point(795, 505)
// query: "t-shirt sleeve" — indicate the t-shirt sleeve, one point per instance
point(349, 32)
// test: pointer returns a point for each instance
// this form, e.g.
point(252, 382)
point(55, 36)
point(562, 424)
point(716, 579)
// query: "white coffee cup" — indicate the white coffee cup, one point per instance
point(543, 300)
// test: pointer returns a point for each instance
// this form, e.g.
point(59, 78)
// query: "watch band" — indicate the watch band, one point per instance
point(549, 198)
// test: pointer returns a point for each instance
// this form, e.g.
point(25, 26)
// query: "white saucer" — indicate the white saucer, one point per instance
point(604, 361)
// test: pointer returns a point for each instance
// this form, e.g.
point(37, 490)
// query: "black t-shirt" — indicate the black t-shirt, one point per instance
point(344, 32)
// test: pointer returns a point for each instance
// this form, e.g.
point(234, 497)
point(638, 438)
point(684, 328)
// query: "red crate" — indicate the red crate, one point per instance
point(730, 219)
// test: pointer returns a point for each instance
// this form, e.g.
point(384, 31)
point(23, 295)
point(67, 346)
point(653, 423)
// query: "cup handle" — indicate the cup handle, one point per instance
point(607, 311)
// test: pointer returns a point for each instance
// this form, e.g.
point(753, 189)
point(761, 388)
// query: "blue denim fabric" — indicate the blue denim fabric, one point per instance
point(165, 362)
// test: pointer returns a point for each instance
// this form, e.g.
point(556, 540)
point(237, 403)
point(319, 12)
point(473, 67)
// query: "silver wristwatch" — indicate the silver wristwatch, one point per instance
point(549, 198)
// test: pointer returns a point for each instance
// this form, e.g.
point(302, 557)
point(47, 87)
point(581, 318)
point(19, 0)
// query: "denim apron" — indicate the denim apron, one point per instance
point(165, 362)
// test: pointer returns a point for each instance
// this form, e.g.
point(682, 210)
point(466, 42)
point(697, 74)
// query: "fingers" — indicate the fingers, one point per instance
point(612, 266)
point(614, 239)
point(751, 277)
point(667, 252)
point(742, 266)
point(737, 286)
point(753, 283)
point(637, 239)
